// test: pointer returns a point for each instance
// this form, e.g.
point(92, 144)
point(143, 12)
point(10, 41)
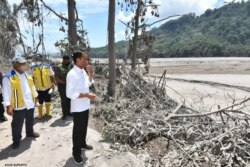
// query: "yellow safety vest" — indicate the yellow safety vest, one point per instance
point(41, 76)
point(16, 90)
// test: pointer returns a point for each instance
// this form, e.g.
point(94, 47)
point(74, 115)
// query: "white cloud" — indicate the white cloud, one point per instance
point(227, 1)
point(91, 2)
point(122, 32)
point(48, 2)
point(92, 10)
point(92, 6)
point(84, 6)
point(121, 16)
point(56, 2)
point(14, 1)
point(173, 7)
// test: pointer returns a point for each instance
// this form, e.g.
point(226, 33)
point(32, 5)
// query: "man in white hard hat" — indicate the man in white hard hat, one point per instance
point(19, 96)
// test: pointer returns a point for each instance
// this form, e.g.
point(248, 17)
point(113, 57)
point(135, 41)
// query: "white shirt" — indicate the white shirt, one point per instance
point(26, 92)
point(77, 82)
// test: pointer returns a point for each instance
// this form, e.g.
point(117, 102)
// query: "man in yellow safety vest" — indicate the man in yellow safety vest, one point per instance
point(19, 97)
point(43, 77)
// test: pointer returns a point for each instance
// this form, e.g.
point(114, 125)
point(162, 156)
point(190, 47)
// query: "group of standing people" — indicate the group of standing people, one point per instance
point(24, 89)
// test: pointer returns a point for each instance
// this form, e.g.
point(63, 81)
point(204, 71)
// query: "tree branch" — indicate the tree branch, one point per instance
point(77, 16)
point(39, 43)
point(125, 24)
point(209, 113)
point(53, 11)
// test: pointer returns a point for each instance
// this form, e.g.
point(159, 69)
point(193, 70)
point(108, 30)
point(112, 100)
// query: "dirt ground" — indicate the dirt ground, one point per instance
point(232, 65)
point(204, 82)
point(54, 146)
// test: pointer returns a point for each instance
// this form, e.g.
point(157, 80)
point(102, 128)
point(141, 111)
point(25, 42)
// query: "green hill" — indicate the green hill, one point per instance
point(102, 52)
point(220, 32)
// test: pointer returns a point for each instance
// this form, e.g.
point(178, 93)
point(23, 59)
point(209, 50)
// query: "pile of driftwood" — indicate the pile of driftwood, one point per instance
point(142, 112)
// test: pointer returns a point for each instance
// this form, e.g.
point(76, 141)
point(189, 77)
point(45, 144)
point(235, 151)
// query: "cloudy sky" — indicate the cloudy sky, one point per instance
point(94, 14)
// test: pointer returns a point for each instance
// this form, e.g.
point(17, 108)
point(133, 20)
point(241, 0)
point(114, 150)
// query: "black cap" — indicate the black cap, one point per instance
point(65, 57)
point(38, 57)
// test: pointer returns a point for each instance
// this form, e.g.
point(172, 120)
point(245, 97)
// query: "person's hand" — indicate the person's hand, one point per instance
point(91, 96)
point(53, 87)
point(10, 110)
point(89, 69)
point(36, 102)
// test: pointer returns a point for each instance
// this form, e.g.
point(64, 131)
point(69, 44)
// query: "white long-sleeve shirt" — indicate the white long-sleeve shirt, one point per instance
point(77, 82)
point(26, 92)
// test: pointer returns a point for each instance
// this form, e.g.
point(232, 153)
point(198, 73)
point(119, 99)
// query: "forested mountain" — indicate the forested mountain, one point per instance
point(216, 33)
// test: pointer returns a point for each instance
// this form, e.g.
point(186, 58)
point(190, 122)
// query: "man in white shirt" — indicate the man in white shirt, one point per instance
point(19, 96)
point(77, 89)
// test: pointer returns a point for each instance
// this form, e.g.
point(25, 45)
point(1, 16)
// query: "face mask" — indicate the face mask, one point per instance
point(39, 63)
point(23, 68)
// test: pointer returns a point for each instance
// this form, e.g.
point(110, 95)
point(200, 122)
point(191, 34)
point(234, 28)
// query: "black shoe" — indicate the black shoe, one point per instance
point(34, 135)
point(48, 116)
point(78, 159)
point(87, 147)
point(15, 145)
point(64, 117)
point(3, 119)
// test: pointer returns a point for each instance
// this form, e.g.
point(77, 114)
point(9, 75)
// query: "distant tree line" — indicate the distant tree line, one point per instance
point(222, 32)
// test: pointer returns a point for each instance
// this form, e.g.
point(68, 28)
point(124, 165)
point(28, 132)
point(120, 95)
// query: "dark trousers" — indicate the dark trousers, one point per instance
point(80, 120)
point(17, 123)
point(44, 96)
point(65, 101)
point(1, 106)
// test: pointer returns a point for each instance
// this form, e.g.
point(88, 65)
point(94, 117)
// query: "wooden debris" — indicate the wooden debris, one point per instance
point(142, 112)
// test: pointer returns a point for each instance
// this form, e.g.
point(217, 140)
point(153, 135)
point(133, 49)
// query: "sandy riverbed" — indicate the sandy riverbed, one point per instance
point(54, 146)
point(216, 73)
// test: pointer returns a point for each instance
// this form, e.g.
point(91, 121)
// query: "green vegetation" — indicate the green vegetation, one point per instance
point(220, 32)
point(102, 52)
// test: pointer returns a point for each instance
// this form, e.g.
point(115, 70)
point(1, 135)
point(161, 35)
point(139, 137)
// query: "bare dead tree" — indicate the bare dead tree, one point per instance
point(111, 49)
point(8, 30)
point(77, 35)
point(140, 8)
point(72, 24)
